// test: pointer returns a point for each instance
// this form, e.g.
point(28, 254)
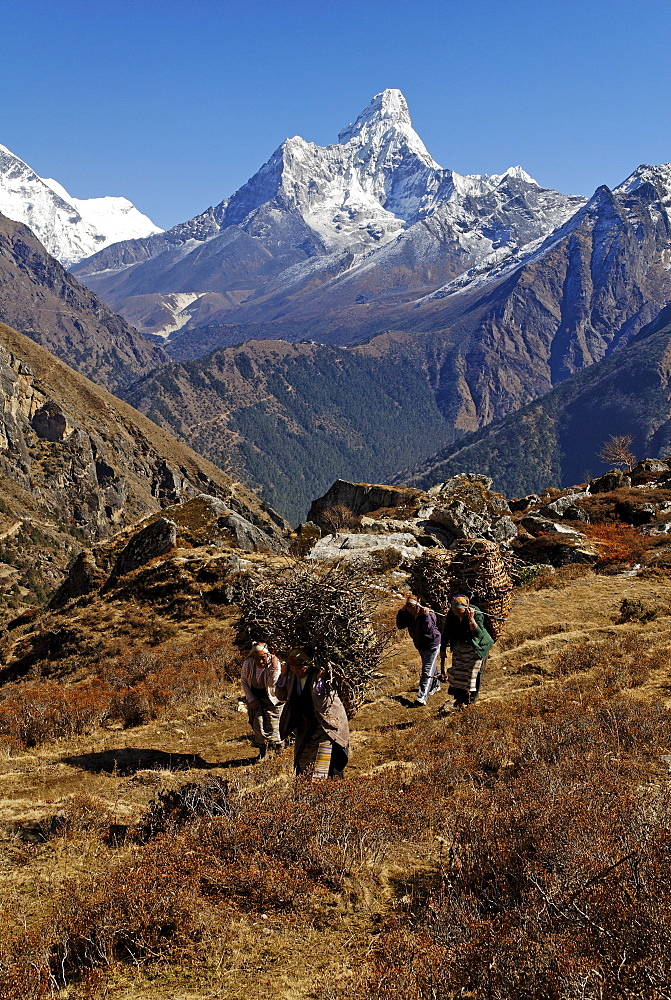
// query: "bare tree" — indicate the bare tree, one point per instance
point(617, 451)
point(338, 517)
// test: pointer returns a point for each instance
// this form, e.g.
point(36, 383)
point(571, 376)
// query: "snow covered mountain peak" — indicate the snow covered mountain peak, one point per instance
point(69, 228)
point(385, 124)
point(389, 105)
point(659, 176)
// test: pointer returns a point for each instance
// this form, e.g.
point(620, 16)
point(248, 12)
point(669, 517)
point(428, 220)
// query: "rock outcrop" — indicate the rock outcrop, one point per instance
point(408, 520)
point(77, 465)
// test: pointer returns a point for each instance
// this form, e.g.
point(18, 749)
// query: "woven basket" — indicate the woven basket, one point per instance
point(473, 566)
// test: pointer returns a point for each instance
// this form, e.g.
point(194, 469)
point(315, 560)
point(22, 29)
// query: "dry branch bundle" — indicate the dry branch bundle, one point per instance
point(328, 611)
point(473, 566)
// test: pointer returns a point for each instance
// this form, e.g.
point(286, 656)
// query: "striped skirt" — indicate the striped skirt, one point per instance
point(463, 673)
point(319, 757)
point(315, 760)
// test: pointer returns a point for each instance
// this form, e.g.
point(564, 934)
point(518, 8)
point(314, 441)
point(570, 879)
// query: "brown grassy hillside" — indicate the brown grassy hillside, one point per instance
point(519, 848)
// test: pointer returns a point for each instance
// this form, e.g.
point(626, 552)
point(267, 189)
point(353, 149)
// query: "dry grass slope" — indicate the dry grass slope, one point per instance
point(520, 848)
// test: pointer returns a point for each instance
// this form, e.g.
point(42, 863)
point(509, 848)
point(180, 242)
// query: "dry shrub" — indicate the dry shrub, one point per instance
point(131, 689)
point(176, 807)
point(557, 579)
point(617, 662)
point(81, 814)
point(635, 611)
point(211, 852)
point(619, 544)
point(554, 880)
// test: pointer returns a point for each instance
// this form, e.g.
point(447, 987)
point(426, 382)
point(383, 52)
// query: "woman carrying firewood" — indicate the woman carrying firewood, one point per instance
point(465, 633)
point(260, 672)
point(314, 713)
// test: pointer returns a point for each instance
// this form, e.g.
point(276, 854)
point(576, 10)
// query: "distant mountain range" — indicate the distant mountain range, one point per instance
point(424, 306)
point(69, 228)
point(337, 237)
point(556, 439)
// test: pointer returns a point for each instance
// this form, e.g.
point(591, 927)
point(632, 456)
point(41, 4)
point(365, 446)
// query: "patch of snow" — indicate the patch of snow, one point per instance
point(177, 303)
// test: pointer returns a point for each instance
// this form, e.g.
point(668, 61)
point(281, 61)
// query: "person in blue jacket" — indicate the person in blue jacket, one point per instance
point(423, 628)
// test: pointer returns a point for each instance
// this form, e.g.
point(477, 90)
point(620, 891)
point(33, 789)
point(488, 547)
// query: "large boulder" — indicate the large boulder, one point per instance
point(468, 508)
point(84, 577)
point(558, 548)
point(353, 546)
point(51, 423)
point(564, 506)
point(154, 540)
point(614, 480)
point(361, 498)
point(653, 471)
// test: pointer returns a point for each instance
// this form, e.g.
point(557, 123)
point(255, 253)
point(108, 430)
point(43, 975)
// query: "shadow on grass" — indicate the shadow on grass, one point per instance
point(402, 700)
point(129, 760)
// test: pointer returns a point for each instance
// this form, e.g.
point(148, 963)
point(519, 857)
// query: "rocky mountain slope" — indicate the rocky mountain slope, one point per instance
point(70, 228)
point(556, 439)
point(77, 465)
point(371, 217)
point(40, 298)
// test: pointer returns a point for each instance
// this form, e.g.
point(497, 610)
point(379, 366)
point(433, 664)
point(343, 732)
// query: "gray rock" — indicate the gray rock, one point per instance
point(537, 525)
point(615, 480)
point(523, 503)
point(352, 546)
point(649, 470)
point(154, 540)
point(359, 498)
point(560, 506)
point(574, 513)
point(657, 528)
point(247, 536)
point(50, 423)
point(84, 577)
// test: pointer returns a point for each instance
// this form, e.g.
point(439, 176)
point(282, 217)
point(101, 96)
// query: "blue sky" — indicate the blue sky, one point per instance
point(175, 104)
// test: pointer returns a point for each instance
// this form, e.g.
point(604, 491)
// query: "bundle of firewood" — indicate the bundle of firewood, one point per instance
point(473, 566)
point(325, 610)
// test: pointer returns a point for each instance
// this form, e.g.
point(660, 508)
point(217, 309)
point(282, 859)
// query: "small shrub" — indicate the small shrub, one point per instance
point(635, 611)
point(176, 807)
point(382, 560)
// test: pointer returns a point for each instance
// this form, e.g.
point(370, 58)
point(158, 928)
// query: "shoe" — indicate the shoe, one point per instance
point(419, 704)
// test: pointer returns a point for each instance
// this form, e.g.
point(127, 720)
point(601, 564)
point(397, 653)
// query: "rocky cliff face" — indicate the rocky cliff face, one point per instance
point(38, 297)
point(79, 464)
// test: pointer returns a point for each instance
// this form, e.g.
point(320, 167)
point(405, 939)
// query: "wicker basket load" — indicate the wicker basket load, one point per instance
point(473, 566)
point(326, 611)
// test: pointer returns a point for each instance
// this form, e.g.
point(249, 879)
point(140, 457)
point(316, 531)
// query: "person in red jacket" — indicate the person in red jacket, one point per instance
point(423, 628)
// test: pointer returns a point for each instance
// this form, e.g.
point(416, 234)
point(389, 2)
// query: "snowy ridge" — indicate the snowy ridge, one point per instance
point(69, 228)
point(373, 206)
point(379, 179)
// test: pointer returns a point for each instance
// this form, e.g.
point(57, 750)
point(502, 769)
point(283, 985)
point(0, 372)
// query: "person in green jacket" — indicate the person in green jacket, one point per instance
point(469, 641)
